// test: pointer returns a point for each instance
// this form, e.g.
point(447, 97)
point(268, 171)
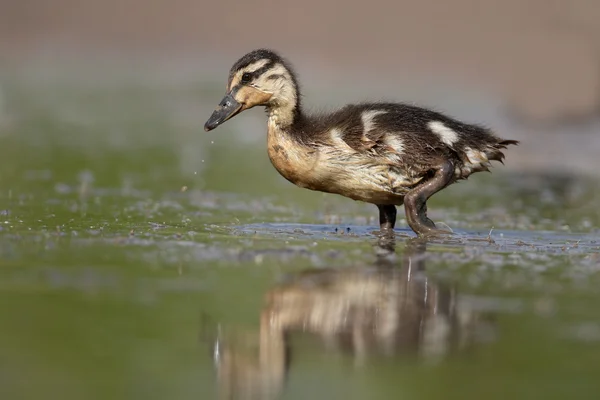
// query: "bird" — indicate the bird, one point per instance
point(385, 153)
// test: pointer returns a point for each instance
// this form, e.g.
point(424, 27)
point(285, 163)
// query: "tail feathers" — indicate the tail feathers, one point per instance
point(480, 158)
point(505, 143)
point(494, 152)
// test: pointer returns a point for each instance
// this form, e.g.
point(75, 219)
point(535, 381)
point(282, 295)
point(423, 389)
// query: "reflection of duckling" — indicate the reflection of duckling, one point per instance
point(387, 154)
point(366, 312)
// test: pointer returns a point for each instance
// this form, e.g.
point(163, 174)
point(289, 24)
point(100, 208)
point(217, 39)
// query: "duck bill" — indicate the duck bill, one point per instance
point(227, 108)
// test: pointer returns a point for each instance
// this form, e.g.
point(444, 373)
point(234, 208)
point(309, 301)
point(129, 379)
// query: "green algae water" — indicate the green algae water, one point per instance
point(141, 258)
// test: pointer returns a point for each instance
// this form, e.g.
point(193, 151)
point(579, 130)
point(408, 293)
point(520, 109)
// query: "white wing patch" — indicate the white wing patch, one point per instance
point(447, 135)
point(367, 120)
point(395, 142)
point(338, 140)
point(397, 146)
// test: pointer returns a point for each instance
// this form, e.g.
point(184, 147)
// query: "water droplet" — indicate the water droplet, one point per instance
point(202, 160)
point(212, 142)
point(195, 172)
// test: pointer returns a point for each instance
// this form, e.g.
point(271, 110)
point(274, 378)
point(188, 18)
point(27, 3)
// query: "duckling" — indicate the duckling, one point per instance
point(387, 154)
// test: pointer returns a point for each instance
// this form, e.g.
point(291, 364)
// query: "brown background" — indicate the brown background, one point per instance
point(539, 58)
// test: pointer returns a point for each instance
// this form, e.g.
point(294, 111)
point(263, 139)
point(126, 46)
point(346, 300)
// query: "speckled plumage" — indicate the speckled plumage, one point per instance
point(383, 153)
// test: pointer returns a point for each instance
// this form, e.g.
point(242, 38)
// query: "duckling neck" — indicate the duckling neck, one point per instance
point(284, 114)
point(288, 153)
point(282, 117)
point(282, 123)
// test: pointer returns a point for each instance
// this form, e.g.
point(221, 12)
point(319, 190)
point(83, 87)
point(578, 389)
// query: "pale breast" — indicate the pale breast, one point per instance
point(293, 160)
point(361, 177)
point(337, 168)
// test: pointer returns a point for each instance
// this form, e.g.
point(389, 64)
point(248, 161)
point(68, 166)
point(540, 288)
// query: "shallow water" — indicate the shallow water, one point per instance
point(143, 258)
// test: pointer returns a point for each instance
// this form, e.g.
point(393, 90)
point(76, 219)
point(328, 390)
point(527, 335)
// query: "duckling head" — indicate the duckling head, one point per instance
point(260, 78)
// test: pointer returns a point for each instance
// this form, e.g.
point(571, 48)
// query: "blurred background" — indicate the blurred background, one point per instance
point(130, 239)
point(526, 67)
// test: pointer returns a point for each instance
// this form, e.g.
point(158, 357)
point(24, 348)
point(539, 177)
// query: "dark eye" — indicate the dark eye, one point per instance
point(246, 77)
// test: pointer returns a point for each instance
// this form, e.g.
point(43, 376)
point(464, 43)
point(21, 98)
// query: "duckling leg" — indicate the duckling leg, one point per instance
point(415, 202)
point(387, 216)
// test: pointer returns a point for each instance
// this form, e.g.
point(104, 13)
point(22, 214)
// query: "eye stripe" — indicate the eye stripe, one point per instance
point(274, 77)
point(255, 66)
point(265, 68)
